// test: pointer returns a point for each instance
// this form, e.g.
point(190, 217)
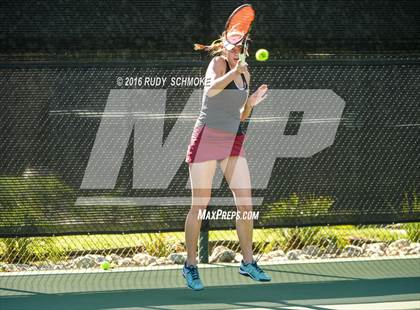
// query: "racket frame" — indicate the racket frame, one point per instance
point(244, 40)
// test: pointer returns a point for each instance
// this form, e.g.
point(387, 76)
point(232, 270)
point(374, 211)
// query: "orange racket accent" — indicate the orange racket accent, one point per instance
point(239, 23)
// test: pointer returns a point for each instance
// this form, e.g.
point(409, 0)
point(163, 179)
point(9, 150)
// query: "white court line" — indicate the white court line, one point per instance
point(329, 260)
point(203, 266)
point(396, 305)
point(98, 270)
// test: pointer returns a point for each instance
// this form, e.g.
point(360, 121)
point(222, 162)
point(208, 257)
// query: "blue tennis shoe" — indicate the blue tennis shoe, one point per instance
point(254, 272)
point(190, 274)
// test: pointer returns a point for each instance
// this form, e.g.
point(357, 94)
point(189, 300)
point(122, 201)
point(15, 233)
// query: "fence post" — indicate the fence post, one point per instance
point(203, 244)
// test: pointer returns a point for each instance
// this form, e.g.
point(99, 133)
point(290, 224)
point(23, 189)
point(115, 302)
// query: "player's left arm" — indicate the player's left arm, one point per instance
point(258, 96)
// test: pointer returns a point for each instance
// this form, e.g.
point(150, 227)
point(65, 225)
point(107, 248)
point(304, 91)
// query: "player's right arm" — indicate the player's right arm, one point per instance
point(217, 78)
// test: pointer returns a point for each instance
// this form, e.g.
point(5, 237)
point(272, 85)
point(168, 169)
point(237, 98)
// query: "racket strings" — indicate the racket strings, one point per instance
point(241, 19)
point(238, 27)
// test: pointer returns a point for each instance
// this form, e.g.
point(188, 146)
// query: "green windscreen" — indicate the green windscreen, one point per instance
point(52, 113)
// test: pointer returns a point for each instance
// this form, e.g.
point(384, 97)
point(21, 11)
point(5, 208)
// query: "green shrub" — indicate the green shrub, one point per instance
point(413, 231)
point(157, 244)
point(332, 240)
point(27, 201)
point(297, 238)
point(3, 250)
point(27, 250)
point(303, 206)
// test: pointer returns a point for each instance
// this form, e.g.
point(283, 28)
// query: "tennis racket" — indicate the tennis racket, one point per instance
point(238, 27)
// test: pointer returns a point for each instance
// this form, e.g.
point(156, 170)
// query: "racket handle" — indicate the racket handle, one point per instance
point(242, 58)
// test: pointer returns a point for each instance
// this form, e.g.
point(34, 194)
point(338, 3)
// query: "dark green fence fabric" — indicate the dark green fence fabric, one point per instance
point(51, 113)
point(100, 27)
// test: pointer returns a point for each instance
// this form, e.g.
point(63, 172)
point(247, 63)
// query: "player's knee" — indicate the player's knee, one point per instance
point(244, 207)
point(243, 198)
point(241, 191)
point(199, 206)
point(201, 201)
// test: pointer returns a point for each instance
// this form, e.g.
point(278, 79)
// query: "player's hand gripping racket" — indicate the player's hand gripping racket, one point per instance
point(238, 27)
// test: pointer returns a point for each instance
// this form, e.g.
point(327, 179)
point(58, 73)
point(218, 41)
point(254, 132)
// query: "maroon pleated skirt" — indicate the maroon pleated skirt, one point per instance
point(214, 144)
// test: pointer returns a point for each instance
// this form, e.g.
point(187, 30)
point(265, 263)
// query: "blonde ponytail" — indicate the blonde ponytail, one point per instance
point(215, 48)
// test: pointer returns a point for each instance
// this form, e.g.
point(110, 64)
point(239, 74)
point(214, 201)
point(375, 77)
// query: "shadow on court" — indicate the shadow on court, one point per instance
point(217, 297)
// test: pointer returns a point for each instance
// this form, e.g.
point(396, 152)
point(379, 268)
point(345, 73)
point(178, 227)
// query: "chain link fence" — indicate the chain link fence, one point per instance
point(276, 245)
point(52, 115)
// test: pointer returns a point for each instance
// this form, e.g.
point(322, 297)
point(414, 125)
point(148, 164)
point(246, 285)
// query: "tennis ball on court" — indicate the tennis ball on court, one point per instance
point(262, 54)
point(105, 265)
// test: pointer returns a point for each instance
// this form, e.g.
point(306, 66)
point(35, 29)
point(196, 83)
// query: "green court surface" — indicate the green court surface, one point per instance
point(340, 284)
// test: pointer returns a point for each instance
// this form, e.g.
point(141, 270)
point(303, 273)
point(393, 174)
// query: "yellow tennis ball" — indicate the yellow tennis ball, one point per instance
point(262, 54)
point(105, 265)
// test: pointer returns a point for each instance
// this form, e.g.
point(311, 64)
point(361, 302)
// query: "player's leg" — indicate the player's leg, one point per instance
point(236, 171)
point(201, 177)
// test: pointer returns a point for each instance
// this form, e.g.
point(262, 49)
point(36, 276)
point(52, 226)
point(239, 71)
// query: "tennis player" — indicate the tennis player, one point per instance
point(219, 137)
